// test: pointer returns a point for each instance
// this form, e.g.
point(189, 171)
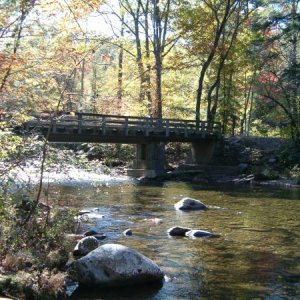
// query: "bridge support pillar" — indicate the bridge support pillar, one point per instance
point(149, 161)
point(202, 151)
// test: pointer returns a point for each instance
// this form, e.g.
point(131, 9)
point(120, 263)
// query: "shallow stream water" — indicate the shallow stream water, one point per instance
point(256, 257)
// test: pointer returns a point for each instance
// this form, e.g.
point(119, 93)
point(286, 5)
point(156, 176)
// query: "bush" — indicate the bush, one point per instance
point(295, 173)
point(289, 155)
point(177, 151)
point(122, 153)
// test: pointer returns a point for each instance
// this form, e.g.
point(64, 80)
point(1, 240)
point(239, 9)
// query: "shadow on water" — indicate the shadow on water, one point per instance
point(235, 190)
point(247, 190)
point(135, 292)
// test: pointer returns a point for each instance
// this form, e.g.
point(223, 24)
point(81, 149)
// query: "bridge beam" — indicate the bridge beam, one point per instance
point(149, 161)
point(202, 151)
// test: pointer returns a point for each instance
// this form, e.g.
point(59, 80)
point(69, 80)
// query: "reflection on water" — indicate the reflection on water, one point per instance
point(256, 257)
point(133, 293)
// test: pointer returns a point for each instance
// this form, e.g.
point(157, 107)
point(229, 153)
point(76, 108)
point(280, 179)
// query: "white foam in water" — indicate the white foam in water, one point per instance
point(69, 176)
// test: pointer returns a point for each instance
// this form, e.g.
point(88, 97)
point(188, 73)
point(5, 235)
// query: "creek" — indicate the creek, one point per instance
point(256, 257)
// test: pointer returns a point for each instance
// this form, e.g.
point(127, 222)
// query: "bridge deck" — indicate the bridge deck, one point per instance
point(98, 128)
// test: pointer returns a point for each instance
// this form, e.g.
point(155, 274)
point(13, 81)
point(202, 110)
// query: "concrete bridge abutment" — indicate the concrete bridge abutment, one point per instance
point(149, 162)
point(150, 158)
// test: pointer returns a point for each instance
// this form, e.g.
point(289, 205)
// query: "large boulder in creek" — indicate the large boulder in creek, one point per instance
point(178, 231)
point(114, 265)
point(201, 234)
point(190, 204)
point(85, 246)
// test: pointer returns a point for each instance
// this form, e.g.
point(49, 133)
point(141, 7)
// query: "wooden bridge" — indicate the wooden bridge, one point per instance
point(98, 128)
point(149, 134)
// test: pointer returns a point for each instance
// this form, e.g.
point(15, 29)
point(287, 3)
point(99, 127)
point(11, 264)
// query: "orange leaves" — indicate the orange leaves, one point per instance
point(80, 8)
point(9, 61)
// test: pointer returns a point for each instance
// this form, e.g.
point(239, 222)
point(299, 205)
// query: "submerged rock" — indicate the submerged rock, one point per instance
point(156, 221)
point(92, 216)
point(84, 211)
point(85, 246)
point(201, 234)
point(114, 265)
point(127, 232)
point(94, 233)
point(178, 231)
point(90, 232)
point(190, 204)
point(100, 236)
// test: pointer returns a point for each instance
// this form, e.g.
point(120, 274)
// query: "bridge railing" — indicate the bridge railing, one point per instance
point(126, 125)
point(150, 124)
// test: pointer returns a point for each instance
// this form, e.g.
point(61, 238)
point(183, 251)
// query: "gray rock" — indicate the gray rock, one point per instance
point(90, 232)
point(92, 216)
point(127, 232)
point(189, 204)
point(94, 233)
point(85, 246)
point(100, 237)
point(114, 265)
point(178, 231)
point(83, 212)
point(200, 234)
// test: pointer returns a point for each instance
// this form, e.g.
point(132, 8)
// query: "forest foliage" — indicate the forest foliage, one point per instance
point(231, 61)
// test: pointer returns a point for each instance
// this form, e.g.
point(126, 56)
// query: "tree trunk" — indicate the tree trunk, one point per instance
point(157, 108)
point(212, 107)
point(250, 114)
point(211, 55)
point(120, 67)
point(139, 58)
point(157, 31)
point(160, 21)
point(295, 105)
point(139, 54)
point(246, 106)
point(81, 103)
point(148, 65)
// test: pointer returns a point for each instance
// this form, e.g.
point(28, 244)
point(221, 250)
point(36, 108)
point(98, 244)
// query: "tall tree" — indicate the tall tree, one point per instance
point(160, 22)
point(148, 21)
point(212, 28)
point(280, 73)
point(12, 28)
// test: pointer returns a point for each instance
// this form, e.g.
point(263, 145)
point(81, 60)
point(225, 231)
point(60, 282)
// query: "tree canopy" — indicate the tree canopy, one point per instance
point(231, 61)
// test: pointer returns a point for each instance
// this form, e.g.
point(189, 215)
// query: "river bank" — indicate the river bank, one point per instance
point(29, 173)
